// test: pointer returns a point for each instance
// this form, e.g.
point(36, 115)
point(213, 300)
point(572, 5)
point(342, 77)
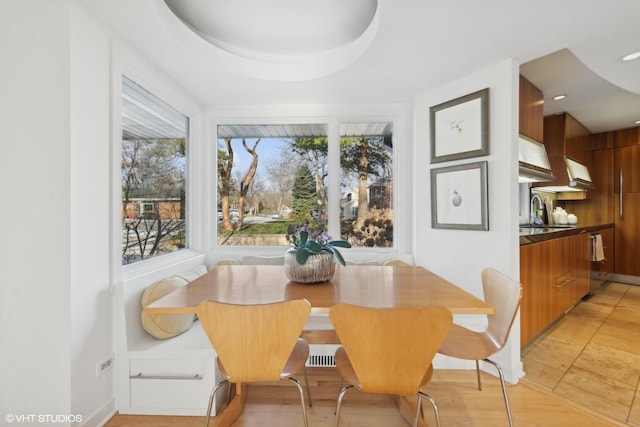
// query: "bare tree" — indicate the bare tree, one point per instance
point(152, 169)
point(225, 167)
point(245, 182)
point(364, 156)
point(282, 176)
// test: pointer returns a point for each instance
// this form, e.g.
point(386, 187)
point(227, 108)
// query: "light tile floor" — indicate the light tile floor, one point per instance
point(592, 355)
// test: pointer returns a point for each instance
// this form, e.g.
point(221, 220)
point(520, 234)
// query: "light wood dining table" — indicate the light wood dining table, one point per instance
point(366, 285)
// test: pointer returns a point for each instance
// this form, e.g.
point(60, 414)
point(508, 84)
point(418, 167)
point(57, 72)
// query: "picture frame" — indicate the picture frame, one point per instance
point(459, 197)
point(460, 127)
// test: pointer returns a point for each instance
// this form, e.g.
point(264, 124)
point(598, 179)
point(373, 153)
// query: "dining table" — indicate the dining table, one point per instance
point(365, 285)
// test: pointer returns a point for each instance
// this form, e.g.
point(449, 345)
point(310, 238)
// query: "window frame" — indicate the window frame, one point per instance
point(393, 113)
point(129, 63)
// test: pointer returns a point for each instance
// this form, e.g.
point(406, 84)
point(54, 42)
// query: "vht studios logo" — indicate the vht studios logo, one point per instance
point(42, 418)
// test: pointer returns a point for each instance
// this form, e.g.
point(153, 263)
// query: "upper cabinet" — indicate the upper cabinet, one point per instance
point(533, 159)
point(625, 137)
point(531, 111)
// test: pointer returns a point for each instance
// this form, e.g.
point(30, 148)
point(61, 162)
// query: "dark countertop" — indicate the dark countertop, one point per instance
point(542, 233)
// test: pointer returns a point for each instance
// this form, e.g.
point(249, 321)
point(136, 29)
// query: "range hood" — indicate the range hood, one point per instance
point(571, 176)
point(533, 161)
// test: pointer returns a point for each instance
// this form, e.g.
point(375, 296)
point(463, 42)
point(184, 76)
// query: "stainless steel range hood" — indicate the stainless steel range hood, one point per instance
point(533, 161)
point(571, 176)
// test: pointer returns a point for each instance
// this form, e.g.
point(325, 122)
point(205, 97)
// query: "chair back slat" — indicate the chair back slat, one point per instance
point(390, 349)
point(254, 342)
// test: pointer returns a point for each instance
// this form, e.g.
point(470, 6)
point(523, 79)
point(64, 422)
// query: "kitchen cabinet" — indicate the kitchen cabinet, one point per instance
point(627, 201)
point(627, 234)
point(555, 275)
point(598, 209)
point(531, 112)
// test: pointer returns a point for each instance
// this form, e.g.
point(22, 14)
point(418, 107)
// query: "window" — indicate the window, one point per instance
point(366, 176)
point(274, 177)
point(270, 178)
point(153, 168)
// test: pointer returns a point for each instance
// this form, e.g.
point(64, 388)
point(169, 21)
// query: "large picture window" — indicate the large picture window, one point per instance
point(366, 176)
point(153, 168)
point(272, 178)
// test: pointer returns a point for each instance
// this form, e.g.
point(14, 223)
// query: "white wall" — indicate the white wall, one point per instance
point(35, 331)
point(460, 255)
point(55, 303)
point(91, 299)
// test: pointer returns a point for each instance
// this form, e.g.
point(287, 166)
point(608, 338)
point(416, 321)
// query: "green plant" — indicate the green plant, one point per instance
point(304, 244)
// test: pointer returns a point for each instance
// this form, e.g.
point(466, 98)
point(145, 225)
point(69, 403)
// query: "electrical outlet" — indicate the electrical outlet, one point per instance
point(104, 365)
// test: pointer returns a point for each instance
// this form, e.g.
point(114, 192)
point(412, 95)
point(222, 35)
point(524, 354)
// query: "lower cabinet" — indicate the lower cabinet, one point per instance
point(554, 276)
point(166, 386)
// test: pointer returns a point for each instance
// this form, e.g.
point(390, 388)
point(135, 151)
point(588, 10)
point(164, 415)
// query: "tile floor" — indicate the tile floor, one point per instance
point(592, 355)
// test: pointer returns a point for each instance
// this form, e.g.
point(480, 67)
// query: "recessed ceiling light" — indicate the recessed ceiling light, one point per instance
point(631, 56)
point(559, 97)
point(637, 122)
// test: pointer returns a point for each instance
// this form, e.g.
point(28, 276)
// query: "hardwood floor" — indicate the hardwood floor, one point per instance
point(455, 391)
point(591, 357)
point(584, 371)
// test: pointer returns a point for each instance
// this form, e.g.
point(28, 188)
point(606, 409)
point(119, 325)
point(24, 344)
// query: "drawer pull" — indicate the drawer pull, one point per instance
point(196, 377)
point(565, 284)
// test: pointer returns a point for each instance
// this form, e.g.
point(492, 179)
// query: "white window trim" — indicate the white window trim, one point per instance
point(398, 114)
point(128, 62)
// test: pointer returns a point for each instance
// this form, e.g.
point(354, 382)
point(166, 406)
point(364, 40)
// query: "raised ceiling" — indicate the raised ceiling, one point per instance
point(411, 46)
point(277, 28)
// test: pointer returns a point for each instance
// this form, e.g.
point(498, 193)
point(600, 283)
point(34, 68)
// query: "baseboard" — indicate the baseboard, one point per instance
point(100, 417)
point(512, 374)
point(624, 278)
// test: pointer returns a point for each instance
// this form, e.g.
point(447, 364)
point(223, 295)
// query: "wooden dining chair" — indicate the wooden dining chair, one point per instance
point(257, 343)
point(504, 294)
point(388, 350)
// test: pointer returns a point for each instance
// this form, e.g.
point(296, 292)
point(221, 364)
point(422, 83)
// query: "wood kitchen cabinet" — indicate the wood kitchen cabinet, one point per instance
point(627, 201)
point(531, 110)
point(555, 276)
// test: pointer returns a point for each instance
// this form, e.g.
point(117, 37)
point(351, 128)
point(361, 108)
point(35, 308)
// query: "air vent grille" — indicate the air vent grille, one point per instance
point(322, 355)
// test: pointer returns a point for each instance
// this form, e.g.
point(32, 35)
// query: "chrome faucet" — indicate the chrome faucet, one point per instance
point(533, 217)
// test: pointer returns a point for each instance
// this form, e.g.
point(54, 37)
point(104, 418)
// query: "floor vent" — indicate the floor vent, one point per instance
point(322, 355)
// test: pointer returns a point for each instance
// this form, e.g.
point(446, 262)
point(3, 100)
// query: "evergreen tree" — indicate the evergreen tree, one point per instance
point(304, 194)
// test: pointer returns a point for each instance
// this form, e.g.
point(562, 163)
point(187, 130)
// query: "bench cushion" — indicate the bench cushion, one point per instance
point(164, 326)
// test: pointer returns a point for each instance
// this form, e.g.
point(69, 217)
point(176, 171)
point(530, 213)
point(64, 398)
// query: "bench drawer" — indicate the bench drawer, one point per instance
point(179, 384)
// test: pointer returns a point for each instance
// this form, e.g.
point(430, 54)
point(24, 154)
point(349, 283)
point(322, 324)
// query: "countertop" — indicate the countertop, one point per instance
point(542, 233)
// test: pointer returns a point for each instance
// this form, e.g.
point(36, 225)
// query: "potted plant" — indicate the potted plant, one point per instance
point(311, 259)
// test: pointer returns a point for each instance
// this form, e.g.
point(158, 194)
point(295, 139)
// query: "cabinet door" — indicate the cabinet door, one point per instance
point(571, 280)
point(554, 275)
point(627, 169)
point(538, 265)
point(627, 234)
point(531, 110)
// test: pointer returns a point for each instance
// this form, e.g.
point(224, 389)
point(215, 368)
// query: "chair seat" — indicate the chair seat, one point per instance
point(463, 343)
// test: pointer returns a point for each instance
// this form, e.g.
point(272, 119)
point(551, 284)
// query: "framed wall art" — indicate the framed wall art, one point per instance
point(460, 127)
point(459, 197)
